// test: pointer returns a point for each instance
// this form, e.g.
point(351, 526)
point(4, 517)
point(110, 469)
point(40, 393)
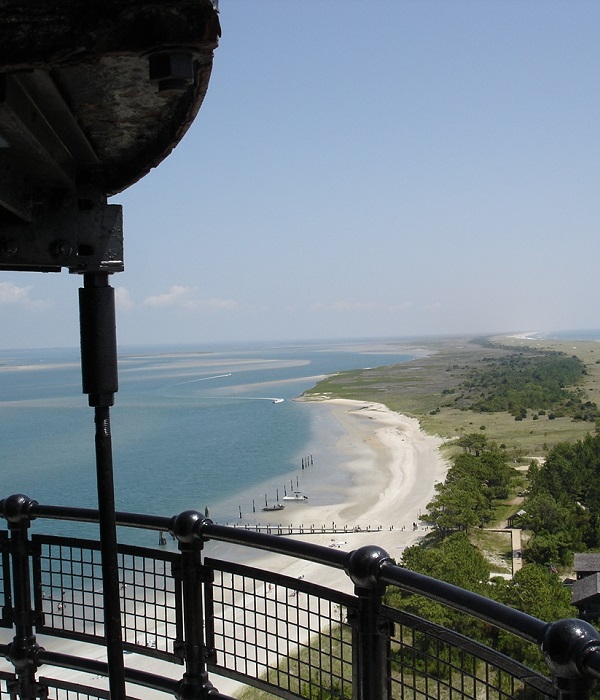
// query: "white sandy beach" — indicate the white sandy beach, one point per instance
point(391, 467)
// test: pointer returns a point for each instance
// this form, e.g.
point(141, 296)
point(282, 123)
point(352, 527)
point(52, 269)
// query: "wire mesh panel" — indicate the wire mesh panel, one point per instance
point(151, 606)
point(68, 590)
point(7, 681)
point(63, 690)
point(5, 589)
point(68, 586)
point(283, 635)
point(427, 661)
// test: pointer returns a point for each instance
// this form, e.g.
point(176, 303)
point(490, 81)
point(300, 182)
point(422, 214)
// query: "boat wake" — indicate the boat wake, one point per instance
point(272, 399)
point(203, 379)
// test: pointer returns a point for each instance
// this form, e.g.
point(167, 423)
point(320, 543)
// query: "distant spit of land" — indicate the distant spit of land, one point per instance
point(426, 388)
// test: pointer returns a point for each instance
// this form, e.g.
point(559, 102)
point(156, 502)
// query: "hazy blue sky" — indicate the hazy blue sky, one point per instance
point(357, 169)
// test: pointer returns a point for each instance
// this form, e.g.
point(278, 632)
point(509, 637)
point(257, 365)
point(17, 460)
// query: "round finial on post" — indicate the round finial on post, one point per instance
point(187, 526)
point(17, 508)
point(363, 565)
point(23, 654)
point(566, 647)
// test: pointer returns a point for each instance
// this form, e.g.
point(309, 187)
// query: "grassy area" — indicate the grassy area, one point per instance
point(424, 388)
point(497, 548)
point(322, 665)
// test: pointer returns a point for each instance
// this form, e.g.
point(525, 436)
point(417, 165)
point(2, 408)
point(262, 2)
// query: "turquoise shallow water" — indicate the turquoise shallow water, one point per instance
point(192, 427)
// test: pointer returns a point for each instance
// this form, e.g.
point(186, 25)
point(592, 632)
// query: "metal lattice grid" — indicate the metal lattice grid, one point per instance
point(428, 662)
point(6, 680)
point(150, 601)
point(63, 690)
point(281, 632)
point(68, 587)
point(68, 579)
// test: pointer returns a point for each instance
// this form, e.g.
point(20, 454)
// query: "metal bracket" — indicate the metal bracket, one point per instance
point(83, 234)
point(50, 217)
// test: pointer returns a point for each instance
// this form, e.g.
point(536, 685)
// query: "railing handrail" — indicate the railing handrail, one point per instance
point(372, 562)
point(485, 609)
point(571, 648)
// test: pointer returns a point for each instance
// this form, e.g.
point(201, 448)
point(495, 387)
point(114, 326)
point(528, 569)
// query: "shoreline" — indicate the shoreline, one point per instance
point(392, 467)
point(383, 477)
point(370, 440)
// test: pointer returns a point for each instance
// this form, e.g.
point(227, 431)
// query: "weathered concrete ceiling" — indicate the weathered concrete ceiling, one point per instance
point(96, 92)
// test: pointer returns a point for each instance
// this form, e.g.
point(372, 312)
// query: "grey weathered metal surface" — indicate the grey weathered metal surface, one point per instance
point(92, 96)
point(83, 68)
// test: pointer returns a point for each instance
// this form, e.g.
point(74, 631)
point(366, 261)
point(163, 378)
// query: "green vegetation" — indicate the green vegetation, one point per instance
point(562, 509)
point(523, 381)
point(452, 390)
point(534, 589)
point(318, 671)
point(477, 479)
point(453, 559)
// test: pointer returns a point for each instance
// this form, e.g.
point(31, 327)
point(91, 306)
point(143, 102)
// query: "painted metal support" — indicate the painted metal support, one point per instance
point(571, 648)
point(195, 682)
point(24, 648)
point(100, 382)
point(370, 662)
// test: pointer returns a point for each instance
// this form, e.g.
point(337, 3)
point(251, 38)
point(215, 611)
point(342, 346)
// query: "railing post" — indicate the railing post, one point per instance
point(23, 651)
point(195, 683)
point(370, 652)
point(571, 648)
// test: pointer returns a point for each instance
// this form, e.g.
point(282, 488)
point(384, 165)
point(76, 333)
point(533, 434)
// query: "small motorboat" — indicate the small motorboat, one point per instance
point(278, 506)
point(296, 496)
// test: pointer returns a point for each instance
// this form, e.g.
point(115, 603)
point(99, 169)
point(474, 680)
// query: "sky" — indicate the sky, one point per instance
point(363, 169)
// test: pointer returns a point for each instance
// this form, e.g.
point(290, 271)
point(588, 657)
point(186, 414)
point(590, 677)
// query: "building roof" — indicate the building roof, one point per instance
point(588, 562)
point(585, 588)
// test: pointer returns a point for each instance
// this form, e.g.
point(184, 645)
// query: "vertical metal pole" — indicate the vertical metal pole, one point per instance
point(99, 374)
point(24, 648)
point(574, 688)
point(570, 649)
point(195, 682)
point(371, 650)
point(370, 672)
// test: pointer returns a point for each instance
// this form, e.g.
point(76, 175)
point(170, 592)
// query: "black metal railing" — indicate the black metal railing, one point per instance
point(188, 619)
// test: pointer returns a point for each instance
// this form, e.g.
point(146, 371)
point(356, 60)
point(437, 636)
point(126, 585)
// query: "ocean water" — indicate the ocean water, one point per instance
point(192, 428)
point(584, 334)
